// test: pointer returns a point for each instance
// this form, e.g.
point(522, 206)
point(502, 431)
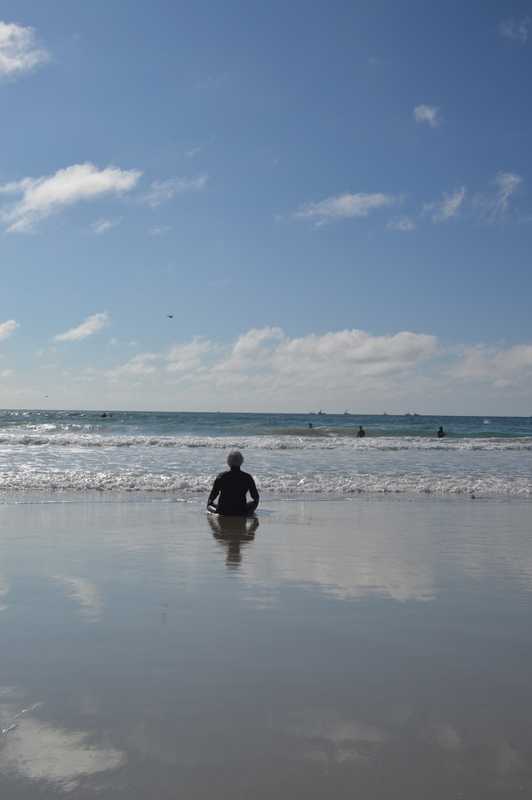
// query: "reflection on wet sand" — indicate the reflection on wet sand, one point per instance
point(83, 592)
point(232, 532)
point(46, 754)
point(332, 739)
point(348, 555)
point(4, 591)
point(395, 660)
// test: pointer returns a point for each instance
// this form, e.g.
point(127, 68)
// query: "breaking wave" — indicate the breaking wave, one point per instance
point(184, 485)
point(286, 442)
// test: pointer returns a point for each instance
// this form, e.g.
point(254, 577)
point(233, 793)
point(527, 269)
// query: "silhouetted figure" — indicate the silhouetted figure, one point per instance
point(441, 433)
point(233, 532)
point(361, 432)
point(233, 487)
point(310, 425)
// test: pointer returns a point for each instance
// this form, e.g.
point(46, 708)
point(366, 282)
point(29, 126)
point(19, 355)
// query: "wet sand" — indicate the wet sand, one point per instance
point(372, 648)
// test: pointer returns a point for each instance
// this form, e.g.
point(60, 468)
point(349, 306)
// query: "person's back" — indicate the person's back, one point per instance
point(233, 486)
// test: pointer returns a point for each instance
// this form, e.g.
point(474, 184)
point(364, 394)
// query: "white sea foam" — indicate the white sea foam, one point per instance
point(289, 484)
point(292, 442)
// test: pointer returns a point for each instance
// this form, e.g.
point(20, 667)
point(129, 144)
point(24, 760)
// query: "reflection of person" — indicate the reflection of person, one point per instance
point(361, 432)
point(232, 532)
point(233, 487)
point(441, 433)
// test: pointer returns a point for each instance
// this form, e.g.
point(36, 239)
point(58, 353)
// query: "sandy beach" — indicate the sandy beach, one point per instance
point(377, 647)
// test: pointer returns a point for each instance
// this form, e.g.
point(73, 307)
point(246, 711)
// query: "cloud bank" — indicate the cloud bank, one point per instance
point(266, 369)
point(265, 366)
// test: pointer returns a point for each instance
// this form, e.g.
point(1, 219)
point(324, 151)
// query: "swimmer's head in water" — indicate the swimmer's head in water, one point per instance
point(235, 458)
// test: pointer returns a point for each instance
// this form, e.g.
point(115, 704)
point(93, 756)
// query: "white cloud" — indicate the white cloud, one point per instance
point(427, 114)
point(41, 197)
point(159, 230)
point(507, 183)
point(6, 373)
point(162, 191)
point(344, 206)
point(516, 30)
point(88, 327)
point(104, 225)
point(404, 224)
point(137, 367)
point(251, 343)
point(186, 357)
point(19, 51)
point(193, 152)
point(493, 207)
point(448, 206)
point(7, 328)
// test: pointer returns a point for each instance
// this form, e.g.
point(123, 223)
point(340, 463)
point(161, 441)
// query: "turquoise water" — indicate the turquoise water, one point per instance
point(224, 424)
point(179, 453)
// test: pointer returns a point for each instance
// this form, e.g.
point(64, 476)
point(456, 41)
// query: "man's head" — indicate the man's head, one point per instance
point(235, 458)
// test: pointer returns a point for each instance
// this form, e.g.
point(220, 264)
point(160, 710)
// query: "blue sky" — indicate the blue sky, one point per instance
point(331, 199)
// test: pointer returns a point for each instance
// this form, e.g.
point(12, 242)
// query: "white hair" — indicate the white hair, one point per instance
point(235, 458)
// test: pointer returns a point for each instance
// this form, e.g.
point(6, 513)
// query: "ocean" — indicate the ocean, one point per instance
point(178, 454)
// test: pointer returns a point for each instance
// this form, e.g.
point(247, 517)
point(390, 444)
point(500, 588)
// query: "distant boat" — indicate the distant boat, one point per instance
point(321, 413)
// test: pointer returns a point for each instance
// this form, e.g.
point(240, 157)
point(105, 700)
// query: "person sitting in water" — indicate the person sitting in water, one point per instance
point(441, 433)
point(361, 432)
point(233, 486)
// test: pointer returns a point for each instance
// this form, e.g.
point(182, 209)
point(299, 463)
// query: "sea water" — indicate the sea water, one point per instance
point(178, 454)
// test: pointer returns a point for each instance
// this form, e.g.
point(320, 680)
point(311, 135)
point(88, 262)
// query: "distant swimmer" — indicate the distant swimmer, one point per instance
point(233, 487)
point(441, 433)
point(361, 432)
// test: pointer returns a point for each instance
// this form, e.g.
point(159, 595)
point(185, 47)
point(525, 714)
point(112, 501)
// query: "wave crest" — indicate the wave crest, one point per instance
point(286, 442)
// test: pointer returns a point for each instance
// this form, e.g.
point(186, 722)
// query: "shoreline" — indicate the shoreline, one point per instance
point(97, 496)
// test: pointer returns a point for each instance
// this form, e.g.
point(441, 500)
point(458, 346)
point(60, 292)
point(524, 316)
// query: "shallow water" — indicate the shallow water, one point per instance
point(179, 454)
point(378, 648)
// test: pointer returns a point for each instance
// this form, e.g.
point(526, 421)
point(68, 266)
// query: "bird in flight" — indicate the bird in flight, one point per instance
point(170, 316)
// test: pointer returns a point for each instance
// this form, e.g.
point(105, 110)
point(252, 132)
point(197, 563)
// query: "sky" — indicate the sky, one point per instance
point(266, 207)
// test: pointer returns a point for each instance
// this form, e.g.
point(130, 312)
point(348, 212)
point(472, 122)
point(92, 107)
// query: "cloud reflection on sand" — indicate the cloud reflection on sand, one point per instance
point(84, 593)
point(348, 561)
point(4, 591)
point(332, 739)
point(49, 754)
